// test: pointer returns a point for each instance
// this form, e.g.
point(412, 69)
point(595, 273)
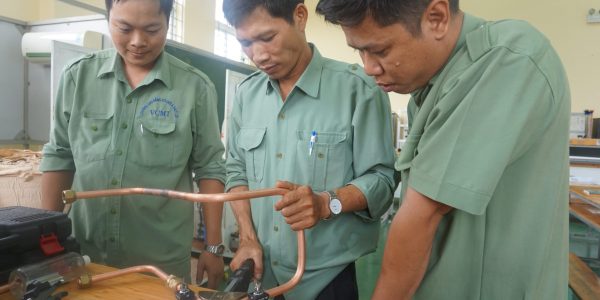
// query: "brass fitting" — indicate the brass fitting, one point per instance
point(85, 281)
point(173, 282)
point(69, 196)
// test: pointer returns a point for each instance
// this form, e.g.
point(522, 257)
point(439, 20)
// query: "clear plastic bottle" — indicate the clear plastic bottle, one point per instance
point(59, 269)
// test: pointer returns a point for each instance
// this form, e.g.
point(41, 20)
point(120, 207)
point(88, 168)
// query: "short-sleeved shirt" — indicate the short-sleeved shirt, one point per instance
point(489, 137)
point(152, 136)
point(269, 140)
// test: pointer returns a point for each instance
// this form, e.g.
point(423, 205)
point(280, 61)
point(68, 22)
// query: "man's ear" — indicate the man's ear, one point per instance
point(301, 16)
point(436, 19)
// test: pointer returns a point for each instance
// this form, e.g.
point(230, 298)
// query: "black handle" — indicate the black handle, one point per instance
point(240, 280)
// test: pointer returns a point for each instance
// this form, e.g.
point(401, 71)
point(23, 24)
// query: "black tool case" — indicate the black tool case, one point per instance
point(30, 235)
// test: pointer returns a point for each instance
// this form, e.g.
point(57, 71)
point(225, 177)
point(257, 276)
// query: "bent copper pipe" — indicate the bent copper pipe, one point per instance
point(70, 196)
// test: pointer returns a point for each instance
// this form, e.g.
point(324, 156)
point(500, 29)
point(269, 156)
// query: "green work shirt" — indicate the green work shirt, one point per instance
point(152, 136)
point(489, 137)
point(268, 140)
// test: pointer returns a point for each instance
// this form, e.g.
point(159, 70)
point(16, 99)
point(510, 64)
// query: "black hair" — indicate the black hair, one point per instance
point(166, 6)
point(384, 12)
point(237, 10)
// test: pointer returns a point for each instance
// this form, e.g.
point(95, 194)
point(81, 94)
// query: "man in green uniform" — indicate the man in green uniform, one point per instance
point(136, 116)
point(485, 166)
point(321, 124)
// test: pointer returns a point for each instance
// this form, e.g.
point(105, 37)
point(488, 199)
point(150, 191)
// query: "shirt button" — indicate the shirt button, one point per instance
point(119, 152)
point(124, 126)
point(320, 155)
point(114, 182)
point(129, 100)
point(113, 210)
point(279, 155)
point(112, 239)
point(94, 127)
point(281, 116)
point(354, 68)
point(276, 228)
point(275, 263)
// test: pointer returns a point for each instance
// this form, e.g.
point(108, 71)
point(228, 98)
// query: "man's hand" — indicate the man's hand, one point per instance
point(213, 265)
point(249, 249)
point(301, 207)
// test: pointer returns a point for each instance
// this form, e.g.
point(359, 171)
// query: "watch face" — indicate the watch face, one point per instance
point(335, 206)
point(220, 249)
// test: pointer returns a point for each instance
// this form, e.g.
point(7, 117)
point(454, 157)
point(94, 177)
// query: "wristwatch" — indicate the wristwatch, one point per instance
point(335, 205)
point(216, 249)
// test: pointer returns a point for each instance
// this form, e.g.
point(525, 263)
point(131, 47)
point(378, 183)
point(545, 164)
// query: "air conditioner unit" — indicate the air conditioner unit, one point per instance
point(36, 46)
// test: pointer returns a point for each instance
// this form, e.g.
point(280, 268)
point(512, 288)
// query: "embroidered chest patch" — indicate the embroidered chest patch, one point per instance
point(159, 109)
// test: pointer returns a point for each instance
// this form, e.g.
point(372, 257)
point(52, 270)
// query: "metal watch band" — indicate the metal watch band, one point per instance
point(215, 249)
point(332, 195)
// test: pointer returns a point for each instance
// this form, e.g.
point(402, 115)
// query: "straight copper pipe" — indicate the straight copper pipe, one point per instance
point(172, 282)
point(137, 269)
point(5, 288)
point(70, 196)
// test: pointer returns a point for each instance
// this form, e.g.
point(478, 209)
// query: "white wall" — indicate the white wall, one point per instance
point(11, 82)
point(564, 23)
point(54, 9)
point(199, 29)
point(24, 10)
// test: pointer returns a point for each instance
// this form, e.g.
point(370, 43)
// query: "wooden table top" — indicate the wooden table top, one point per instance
point(577, 191)
point(585, 212)
point(131, 286)
point(582, 280)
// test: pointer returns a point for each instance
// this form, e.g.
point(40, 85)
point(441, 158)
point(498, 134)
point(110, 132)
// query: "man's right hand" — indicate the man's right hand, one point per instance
point(249, 249)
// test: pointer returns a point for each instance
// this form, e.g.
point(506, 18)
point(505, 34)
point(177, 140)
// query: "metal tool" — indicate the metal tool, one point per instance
point(240, 280)
point(237, 287)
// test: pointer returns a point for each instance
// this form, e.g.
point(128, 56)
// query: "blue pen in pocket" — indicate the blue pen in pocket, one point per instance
point(311, 143)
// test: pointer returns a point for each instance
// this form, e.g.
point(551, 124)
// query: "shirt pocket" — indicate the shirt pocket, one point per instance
point(251, 141)
point(324, 167)
point(93, 137)
point(154, 143)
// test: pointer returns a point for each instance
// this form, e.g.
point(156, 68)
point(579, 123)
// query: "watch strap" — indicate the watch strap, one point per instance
point(215, 249)
point(332, 195)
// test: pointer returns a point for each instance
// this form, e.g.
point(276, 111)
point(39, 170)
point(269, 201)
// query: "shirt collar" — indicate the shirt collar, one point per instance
point(160, 71)
point(310, 80)
point(469, 24)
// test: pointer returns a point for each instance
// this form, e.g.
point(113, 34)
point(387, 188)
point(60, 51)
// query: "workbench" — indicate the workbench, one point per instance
point(583, 281)
point(130, 287)
point(585, 208)
point(577, 192)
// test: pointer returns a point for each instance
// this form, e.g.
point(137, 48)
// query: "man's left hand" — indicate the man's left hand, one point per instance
point(301, 207)
point(213, 265)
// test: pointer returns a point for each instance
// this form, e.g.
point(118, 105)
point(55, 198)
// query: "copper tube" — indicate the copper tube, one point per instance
point(171, 281)
point(70, 196)
point(279, 290)
point(4, 288)
point(137, 269)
